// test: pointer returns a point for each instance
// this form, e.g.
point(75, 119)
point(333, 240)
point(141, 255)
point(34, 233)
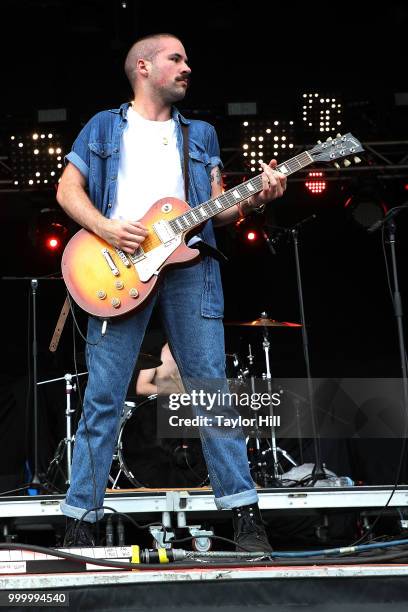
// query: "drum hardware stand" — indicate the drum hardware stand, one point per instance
point(130, 406)
point(274, 449)
point(67, 442)
point(255, 455)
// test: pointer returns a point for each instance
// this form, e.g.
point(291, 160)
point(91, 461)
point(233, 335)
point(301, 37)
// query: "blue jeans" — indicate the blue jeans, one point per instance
point(197, 344)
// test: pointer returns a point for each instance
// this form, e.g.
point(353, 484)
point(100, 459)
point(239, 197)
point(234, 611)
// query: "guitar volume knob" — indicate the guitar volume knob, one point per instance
point(101, 294)
point(119, 284)
point(115, 302)
point(133, 292)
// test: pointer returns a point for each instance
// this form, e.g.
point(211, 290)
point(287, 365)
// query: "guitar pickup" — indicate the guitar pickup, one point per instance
point(110, 262)
point(137, 256)
point(123, 257)
point(163, 231)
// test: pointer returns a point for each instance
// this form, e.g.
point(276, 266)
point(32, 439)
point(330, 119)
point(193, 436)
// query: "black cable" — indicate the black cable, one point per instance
point(127, 516)
point(261, 561)
point(72, 310)
point(213, 537)
point(154, 524)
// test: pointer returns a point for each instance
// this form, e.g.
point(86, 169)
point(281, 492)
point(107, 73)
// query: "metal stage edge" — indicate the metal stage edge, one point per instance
point(172, 574)
point(202, 500)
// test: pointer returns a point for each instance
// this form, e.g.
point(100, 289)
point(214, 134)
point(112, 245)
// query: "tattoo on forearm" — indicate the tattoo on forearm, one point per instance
point(216, 176)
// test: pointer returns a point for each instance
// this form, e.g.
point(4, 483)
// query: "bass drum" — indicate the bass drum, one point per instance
point(155, 463)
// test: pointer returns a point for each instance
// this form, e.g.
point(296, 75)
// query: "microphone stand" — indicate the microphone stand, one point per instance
point(318, 472)
point(34, 287)
point(389, 224)
point(35, 481)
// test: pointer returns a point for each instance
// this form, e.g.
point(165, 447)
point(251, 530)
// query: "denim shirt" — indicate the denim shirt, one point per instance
point(96, 153)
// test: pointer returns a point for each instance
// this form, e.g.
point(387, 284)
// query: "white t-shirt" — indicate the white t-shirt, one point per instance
point(149, 166)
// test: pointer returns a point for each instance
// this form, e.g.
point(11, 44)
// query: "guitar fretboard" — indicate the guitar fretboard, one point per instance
point(197, 216)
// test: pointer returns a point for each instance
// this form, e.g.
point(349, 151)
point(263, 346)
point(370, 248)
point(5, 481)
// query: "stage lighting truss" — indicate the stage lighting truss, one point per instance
point(263, 140)
point(321, 113)
point(36, 159)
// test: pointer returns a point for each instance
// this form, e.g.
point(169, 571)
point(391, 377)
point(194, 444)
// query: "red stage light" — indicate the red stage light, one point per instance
point(251, 235)
point(53, 236)
point(315, 182)
point(52, 243)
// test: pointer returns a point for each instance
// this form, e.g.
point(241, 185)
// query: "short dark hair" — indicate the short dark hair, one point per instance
point(144, 48)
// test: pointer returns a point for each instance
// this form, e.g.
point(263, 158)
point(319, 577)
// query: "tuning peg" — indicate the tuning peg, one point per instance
point(336, 165)
point(347, 163)
point(329, 139)
point(357, 160)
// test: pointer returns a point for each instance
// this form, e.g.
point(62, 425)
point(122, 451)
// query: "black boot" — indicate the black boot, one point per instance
point(249, 531)
point(78, 534)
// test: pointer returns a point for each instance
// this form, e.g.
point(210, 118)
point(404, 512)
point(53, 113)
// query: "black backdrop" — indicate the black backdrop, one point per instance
point(351, 328)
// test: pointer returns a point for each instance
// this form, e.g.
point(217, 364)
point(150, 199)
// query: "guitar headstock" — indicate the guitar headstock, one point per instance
point(337, 148)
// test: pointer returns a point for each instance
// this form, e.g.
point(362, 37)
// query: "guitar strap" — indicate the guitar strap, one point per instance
point(204, 248)
point(59, 326)
point(186, 158)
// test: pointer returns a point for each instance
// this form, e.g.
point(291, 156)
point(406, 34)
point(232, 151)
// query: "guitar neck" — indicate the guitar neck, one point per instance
point(198, 215)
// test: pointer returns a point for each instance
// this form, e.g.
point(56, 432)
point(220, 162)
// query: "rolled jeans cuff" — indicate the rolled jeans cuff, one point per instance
point(244, 498)
point(77, 513)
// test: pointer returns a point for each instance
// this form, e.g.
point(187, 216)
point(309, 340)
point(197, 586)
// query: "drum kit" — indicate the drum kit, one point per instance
point(143, 459)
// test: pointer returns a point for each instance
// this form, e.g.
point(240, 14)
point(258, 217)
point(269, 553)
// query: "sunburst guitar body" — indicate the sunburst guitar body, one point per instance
point(106, 282)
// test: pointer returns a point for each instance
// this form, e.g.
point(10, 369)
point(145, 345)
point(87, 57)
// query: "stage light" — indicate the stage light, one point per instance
point(251, 235)
point(32, 154)
point(265, 139)
point(321, 113)
point(52, 243)
point(49, 231)
point(315, 183)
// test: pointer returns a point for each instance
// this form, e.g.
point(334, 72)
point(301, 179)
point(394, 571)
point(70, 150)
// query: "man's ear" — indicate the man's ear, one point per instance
point(143, 67)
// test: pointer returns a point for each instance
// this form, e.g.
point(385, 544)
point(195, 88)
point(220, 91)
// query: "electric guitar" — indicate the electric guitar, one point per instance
point(107, 282)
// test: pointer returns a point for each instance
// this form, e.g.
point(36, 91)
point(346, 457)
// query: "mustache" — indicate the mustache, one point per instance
point(185, 78)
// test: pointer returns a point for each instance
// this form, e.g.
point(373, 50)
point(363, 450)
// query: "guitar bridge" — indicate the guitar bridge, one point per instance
point(110, 262)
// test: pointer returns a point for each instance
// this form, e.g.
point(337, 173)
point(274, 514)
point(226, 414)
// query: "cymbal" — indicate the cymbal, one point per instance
point(262, 322)
point(145, 361)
